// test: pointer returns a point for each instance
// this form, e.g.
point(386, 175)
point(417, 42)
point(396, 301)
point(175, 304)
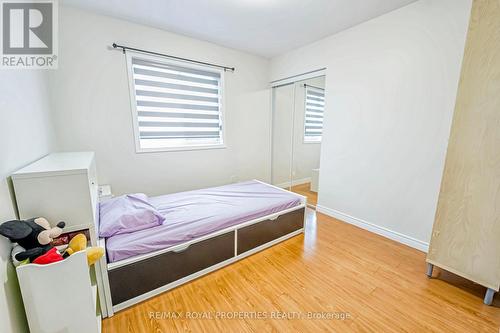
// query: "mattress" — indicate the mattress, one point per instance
point(193, 214)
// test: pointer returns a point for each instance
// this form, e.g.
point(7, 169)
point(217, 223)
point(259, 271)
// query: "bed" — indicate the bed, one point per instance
point(200, 231)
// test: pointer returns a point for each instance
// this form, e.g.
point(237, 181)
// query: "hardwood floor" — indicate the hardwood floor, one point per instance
point(334, 269)
point(304, 189)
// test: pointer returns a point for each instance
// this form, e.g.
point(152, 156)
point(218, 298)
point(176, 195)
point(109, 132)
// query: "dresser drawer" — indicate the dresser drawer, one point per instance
point(137, 278)
point(263, 232)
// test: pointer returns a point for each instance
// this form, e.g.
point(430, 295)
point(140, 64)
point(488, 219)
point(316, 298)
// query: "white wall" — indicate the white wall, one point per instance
point(25, 136)
point(92, 108)
point(390, 92)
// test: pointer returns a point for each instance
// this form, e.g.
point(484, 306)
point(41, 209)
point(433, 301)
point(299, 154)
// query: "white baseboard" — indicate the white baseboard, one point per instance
point(394, 235)
point(294, 182)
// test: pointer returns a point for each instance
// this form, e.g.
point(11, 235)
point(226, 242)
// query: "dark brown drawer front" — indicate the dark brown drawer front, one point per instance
point(260, 233)
point(132, 280)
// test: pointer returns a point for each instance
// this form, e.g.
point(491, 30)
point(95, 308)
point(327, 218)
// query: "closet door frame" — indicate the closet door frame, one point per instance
point(275, 85)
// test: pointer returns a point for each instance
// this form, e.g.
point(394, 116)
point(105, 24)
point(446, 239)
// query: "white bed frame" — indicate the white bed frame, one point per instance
point(180, 247)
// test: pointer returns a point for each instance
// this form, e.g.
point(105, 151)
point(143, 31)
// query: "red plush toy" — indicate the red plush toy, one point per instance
point(49, 257)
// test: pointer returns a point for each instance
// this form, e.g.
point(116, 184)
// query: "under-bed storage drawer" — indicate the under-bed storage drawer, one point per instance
point(137, 278)
point(263, 232)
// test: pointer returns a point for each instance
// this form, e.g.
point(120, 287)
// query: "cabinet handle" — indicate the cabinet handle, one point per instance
point(181, 249)
point(274, 218)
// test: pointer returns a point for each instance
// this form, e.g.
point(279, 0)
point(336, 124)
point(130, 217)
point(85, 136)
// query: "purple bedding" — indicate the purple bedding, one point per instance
point(193, 214)
point(127, 213)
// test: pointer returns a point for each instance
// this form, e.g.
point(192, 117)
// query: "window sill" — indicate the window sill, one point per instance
point(184, 148)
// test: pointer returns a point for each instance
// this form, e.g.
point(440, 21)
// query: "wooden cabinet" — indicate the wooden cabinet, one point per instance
point(466, 234)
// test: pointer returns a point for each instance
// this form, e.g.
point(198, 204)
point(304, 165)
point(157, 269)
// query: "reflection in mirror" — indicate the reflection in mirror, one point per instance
point(298, 110)
point(283, 104)
point(307, 135)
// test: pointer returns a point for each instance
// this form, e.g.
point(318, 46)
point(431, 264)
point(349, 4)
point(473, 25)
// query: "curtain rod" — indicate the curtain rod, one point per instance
point(308, 85)
point(124, 48)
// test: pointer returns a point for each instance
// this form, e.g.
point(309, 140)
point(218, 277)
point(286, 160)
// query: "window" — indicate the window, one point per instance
point(314, 109)
point(175, 105)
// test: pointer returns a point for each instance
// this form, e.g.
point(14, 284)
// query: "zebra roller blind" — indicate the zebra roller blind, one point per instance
point(314, 109)
point(177, 105)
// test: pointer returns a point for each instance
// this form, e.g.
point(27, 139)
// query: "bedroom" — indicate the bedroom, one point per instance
point(407, 175)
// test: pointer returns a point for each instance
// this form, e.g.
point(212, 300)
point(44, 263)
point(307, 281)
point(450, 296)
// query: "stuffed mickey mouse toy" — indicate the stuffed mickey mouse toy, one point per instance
point(33, 237)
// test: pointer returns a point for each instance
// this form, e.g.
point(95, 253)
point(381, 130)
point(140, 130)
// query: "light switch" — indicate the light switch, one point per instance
point(105, 191)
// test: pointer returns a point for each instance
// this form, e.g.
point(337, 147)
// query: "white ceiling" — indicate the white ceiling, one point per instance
point(263, 27)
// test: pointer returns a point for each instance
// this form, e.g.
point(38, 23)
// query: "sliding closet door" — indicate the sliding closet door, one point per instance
point(466, 234)
point(283, 108)
point(307, 136)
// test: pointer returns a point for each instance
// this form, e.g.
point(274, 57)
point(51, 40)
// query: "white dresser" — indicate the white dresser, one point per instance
point(59, 187)
point(63, 187)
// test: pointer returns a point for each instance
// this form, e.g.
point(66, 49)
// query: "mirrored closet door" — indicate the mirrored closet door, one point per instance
point(298, 110)
point(283, 105)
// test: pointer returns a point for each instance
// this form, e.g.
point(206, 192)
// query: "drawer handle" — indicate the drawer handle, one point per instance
point(181, 249)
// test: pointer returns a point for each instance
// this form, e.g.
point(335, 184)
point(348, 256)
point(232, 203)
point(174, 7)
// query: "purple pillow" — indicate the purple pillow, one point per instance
point(126, 214)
